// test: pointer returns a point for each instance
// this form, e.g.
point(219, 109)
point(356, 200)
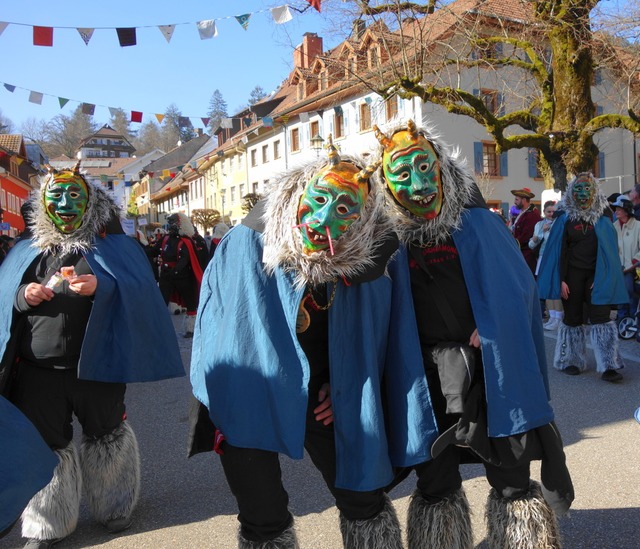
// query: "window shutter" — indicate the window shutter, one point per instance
point(599, 110)
point(501, 108)
point(533, 163)
point(498, 49)
point(597, 77)
point(504, 164)
point(477, 157)
point(601, 164)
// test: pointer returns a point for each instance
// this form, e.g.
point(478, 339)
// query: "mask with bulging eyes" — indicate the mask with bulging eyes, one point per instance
point(583, 191)
point(65, 196)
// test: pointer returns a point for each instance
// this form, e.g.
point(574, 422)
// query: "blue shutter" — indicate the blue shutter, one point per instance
point(498, 49)
point(533, 163)
point(599, 110)
point(476, 93)
point(477, 157)
point(597, 77)
point(504, 165)
point(501, 107)
point(601, 164)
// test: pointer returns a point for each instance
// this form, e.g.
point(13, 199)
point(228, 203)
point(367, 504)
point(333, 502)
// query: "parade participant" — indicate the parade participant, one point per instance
point(478, 319)
point(293, 332)
point(81, 316)
point(581, 265)
point(524, 224)
point(180, 268)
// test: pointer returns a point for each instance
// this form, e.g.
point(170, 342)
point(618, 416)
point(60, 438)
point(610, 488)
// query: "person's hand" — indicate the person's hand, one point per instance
point(564, 290)
point(35, 293)
point(474, 340)
point(546, 227)
point(535, 239)
point(324, 411)
point(84, 285)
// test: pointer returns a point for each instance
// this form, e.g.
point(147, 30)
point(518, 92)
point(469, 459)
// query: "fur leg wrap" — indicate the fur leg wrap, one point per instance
point(111, 469)
point(442, 525)
point(286, 540)
point(53, 512)
point(571, 347)
point(379, 532)
point(524, 523)
point(604, 338)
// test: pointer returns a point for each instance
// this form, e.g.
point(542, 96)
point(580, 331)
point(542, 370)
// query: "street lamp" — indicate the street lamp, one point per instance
point(316, 144)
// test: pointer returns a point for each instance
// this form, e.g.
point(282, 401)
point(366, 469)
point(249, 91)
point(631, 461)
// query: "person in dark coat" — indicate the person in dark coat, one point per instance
point(525, 223)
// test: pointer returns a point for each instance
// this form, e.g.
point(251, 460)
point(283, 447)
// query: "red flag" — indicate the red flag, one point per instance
point(315, 4)
point(136, 116)
point(43, 36)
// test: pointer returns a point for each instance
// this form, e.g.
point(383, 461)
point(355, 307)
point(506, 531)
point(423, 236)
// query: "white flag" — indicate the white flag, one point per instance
point(85, 34)
point(304, 117)
point(207, 29)
point(167, 31)
point(281, 14)
point(3, 26)
point(226, 123)
point(113, 111)
point(35, 97)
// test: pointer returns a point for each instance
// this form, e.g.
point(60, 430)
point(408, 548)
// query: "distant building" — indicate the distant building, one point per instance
point(106, 143)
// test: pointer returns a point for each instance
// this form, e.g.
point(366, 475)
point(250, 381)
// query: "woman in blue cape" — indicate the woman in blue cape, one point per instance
point(299, 344)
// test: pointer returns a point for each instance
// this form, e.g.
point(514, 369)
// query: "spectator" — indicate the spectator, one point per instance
point(581, 265)
point(524, 224)
point(634, 196)
point(628, 231)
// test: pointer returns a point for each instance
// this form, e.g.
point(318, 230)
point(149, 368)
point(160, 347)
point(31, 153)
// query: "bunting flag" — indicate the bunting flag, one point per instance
point(19, 160)
point(43, 36)
point(285, 118)
point(35, 97)
point(88, 108)
point(281, 15)
point(167, 31)
point(104, 178)
point(165, 173)
point(226, 123)
point(267, 122)
point(247, 121)
point(207, 29)
point(304, 117)
point(315, 4)
point(184, 122)
point(3, 26)
point(159, 118)
point(63, 101)
point(243, 20)
point(113, 111)
point(10, 87)
point(86, 34)
point(205, 121)
point(337, 110)
point(126, 36)
point(136, 116)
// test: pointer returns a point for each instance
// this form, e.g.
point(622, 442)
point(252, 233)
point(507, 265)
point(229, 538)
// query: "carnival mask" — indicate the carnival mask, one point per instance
point(66, 195)
point(331, 202)
point(584, 191)
point(412, 171)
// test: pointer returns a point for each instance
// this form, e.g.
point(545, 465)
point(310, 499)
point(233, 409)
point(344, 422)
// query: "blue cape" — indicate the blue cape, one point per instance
point(26, 463)
point(130, 336)
point(608, 284)
point(506, 310)
point(251, 373)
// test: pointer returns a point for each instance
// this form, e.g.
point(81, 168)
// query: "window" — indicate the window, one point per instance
point(487, 161)
point(391, 108)
point(241, 190)
point(365, 117)
point(233, 195)
point(534, 171)
point(265, 154)
point(276, 149)
point(254, 187)
point(338, 124)
point(598, 166)
point(490, 100)
point(314, 129)
point(295, 139)
point(254, 161)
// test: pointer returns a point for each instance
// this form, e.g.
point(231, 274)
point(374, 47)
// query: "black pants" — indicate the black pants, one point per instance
point(579, 305)
point(183, 286)
point(49, 397)
point(255, 479)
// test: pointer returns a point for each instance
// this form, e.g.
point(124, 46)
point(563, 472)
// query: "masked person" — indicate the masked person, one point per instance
point(292, 343)
point(478, 318)
point(81, 316)
point(180, 268)
point(581, 265)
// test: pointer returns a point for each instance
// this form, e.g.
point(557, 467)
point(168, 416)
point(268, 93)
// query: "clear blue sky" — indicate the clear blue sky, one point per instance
point(150, 76)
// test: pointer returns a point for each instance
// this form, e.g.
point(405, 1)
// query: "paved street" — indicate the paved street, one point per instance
point(186, 503)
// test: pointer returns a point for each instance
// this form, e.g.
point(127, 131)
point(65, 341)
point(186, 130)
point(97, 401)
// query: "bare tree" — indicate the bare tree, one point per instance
point(206, 218)
point(546, 50)
point(65, 133)
point(249, 201)
point(6, 125)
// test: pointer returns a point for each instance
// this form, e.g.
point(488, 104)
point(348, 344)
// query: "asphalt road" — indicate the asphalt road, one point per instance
point(185, 503)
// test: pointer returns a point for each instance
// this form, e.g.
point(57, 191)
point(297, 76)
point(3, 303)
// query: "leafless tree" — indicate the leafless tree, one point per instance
point(206, 218)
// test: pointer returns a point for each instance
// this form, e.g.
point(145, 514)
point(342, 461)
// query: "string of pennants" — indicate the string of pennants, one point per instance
point(127, 36)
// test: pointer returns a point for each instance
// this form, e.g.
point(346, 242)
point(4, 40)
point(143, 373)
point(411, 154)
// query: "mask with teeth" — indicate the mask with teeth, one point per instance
point(331, 202)
point(412, 171)
point(65, 196)
point(583, 191)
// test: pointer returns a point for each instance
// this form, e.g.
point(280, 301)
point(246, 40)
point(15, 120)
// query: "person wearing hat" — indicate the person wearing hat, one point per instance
point(581, 265)
point(525, 224)
point(628, 231)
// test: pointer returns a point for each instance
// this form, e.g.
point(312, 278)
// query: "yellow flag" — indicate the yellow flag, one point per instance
point(159, 118)
point(166, 173)
point(19, 160)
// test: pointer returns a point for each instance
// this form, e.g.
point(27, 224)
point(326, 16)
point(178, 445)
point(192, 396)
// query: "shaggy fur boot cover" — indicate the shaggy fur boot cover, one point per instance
point(379, 532)
point(286, 540)
point(524, 523)
point(53, 512)
point(111, 471)
point(443, 525)
point(571, 347)
point(604, 338)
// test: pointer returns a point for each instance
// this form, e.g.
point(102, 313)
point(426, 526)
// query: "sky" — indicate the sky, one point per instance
point(153, 74)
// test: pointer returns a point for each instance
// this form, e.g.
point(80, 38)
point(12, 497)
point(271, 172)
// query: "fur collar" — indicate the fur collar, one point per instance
point(595, 212)
point(457, 186)
point(353, 253)
point(46, 237)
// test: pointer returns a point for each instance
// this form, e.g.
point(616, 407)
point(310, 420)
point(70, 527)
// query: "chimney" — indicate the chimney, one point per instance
point(306, 52)
point(358, 28)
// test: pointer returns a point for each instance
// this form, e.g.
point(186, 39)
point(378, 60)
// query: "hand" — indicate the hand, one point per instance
point(546, 227)
point(324, 412)
point(535, 239)
point(474, 340)
point(84, 285)
point(564, 290)
point(34, 294)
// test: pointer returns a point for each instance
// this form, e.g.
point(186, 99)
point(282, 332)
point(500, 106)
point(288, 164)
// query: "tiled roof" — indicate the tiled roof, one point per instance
point(12, 142)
